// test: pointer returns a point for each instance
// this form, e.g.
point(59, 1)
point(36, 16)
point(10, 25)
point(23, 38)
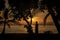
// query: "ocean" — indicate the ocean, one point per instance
point(21, 29)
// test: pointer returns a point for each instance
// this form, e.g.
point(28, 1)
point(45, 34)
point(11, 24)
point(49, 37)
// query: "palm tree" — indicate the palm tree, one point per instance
point(2, 6)
point(5, 15)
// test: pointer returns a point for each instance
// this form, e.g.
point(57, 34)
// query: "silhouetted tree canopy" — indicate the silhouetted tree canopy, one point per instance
point(50, 5)
point(2, 6)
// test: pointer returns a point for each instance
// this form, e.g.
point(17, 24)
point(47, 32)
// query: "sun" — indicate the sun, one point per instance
point(33, 19)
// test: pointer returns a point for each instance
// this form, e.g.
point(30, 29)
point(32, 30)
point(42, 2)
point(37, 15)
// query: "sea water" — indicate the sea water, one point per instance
point(21, 29)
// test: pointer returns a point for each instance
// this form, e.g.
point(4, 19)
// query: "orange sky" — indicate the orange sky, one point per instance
point(39, 17)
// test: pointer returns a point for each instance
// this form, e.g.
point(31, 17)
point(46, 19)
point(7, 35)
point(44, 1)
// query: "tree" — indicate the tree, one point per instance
point(51, 4)
point(5, 15)
point(2, 6)
point(21, 7)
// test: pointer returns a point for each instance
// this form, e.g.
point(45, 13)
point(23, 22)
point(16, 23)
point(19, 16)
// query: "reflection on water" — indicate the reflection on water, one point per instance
point(21, 29)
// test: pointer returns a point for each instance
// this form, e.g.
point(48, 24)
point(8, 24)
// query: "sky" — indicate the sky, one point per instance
point(39, 16)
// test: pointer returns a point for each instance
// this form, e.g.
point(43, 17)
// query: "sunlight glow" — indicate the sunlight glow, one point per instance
point(33, 19)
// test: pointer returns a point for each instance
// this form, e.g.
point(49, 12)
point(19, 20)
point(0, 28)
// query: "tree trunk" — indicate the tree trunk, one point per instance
point(54, 19)
point(3, 31)
point(29, 27)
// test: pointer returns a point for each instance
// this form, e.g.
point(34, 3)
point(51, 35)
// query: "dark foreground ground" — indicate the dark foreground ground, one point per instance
point(29, 37)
